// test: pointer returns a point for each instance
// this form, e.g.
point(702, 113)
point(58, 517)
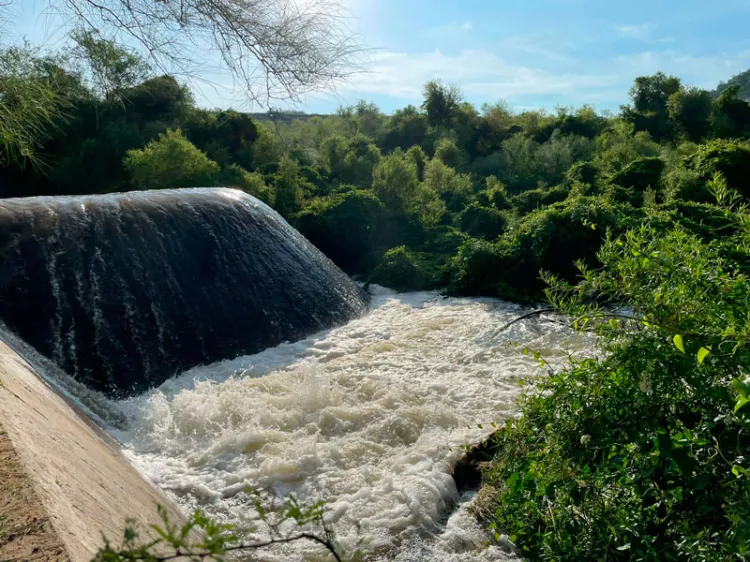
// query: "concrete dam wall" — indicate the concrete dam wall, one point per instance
point(124, 291)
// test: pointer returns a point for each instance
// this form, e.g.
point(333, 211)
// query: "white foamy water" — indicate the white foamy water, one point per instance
point(370, 417)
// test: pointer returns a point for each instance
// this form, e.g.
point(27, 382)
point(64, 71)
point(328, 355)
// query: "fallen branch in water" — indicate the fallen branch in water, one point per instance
point(524, 317)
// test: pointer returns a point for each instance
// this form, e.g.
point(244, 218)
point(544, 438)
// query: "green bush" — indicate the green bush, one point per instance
point(683, 184)
point(640, 455)
point(494, 195)
point(640, 174)
point(729, 157)
point(550, 239)
point(481, 222)
point(582, 172)
point(170, 161)
point(404, 270)
point(533, 199)
point(350, 228)
point(250, 182)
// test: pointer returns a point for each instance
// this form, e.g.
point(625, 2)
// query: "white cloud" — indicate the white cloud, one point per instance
point(641, 32)
point(484, 75)
point(546, 46)
point(479, 74)
point(449, 30)
point(704, 71)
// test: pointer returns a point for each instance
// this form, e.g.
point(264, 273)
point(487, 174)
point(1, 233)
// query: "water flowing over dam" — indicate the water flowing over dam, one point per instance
point(124, 291)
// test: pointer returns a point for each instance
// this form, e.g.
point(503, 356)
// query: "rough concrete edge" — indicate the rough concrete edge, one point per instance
point(56, 523)
point(26, 532)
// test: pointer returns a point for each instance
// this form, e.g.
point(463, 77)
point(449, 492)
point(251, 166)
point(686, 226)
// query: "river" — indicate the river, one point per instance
point(370, 417)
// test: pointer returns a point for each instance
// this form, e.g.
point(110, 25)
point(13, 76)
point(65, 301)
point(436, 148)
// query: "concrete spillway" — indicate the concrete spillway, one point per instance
point(123, 291)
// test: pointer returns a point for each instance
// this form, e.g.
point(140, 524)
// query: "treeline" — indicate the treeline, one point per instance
point(444, 195)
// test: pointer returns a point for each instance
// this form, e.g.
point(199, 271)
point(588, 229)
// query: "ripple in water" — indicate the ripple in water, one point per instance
point(369, 417)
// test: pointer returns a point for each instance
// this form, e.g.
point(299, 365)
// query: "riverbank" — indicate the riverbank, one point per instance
point(64, 482)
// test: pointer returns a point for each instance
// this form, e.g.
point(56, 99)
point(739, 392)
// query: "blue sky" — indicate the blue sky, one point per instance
point(531, 54)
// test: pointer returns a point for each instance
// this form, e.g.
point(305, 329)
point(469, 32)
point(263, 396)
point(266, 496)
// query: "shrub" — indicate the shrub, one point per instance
point(169, 161)
point(683, 184)
point(494, 195)
point(404, 270)
point(533, 199)
point(350, 228)
point(550, 239)
point(454, 189)
point(395, 182)
point(731, 158)
point(481, 222)
point(581, 172)
point(640, 174)
point(253, 183)
point(642, 454)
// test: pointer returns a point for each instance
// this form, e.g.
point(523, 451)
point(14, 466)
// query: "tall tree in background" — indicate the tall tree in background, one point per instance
point(648, 110)
point(441, 102)
point(112, 67)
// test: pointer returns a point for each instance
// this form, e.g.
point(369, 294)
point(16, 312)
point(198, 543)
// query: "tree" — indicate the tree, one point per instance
point(441, 102)
point(731, 115)
point(648, 109)
point(741, 81)
point(170, 161)
point(454, 189)
point(447, 151)
point(370, 121)
point(288, 188)
point(407, 127)
point(113, 68)
point(689, 110)
point(396, 184)
point(34, 94)
point(277, 49)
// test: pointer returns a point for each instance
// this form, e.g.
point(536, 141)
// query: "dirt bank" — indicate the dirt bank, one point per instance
point(63, 484)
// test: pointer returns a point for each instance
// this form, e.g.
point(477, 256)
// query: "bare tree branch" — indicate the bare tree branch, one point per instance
point(278, 50)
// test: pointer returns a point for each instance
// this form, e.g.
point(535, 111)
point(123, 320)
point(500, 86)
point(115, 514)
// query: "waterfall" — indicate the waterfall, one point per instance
point(123, 291)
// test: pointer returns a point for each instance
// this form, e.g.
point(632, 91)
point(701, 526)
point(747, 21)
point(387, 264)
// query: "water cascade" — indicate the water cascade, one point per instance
point(124, 291)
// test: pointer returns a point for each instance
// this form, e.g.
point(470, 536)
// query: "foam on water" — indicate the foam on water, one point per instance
point(369, 417)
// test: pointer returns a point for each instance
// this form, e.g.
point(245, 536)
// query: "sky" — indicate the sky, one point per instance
point(527, 53)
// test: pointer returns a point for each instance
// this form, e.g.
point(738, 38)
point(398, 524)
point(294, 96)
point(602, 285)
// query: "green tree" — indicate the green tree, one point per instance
point(170, 161)
point(441, 103)
point(396, 183)
point(453, 188)
point(289, 188)
point(450, 154)
point(34, 96)
point(648, 110)
point(690, 111)
point(731, 115)
point(113, 68)
point(407, 127)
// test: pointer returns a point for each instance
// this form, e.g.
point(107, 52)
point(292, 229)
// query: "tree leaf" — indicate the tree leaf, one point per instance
point(678, 342)
point(702, 354)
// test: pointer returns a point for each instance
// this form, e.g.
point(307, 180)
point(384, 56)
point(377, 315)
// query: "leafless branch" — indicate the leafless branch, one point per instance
point(278, 50)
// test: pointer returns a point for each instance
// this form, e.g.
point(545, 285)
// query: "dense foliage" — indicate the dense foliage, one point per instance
point(639, 454)
point(475, 201)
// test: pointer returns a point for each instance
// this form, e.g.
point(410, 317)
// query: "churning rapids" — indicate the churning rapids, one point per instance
point(370, 416)
point(122, 291)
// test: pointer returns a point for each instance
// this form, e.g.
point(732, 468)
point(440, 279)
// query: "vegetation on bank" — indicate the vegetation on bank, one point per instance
point(638, 455)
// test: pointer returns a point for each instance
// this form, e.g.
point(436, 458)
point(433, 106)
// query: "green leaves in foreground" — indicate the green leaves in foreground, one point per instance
point(641, 454)
point(678, 343)
point(202, 538)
